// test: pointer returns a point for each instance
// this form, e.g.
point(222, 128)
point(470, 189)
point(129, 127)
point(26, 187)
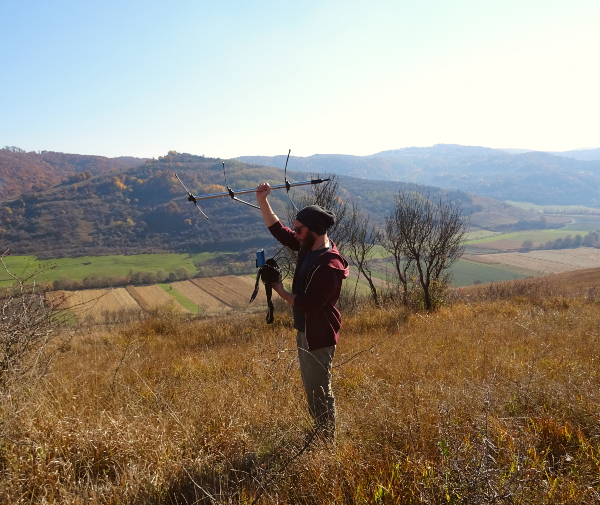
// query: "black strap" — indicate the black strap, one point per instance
point(268, 273)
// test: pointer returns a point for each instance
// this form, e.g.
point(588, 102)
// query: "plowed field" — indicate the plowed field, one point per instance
point(214, 295)
point(95, 303)
point(152, 297)
point(549, 262)
point(243, 286)
point(500, 245)
point(228, 295)
point(200, 297)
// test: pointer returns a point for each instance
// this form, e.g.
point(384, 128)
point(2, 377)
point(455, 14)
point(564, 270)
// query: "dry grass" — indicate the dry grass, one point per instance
point(493, 401)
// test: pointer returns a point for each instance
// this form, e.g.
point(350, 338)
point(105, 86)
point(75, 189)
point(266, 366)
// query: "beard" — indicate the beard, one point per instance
point(308, 241)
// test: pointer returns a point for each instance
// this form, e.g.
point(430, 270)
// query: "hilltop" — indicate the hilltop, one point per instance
point(144, 209)
point(22, 171)
point(533, 176)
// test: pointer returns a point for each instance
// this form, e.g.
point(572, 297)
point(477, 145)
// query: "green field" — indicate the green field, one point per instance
point(536, 236)
point(466, 272)
point(481, 234)
point(184, 301)
point(78, 269)
point(555, 209)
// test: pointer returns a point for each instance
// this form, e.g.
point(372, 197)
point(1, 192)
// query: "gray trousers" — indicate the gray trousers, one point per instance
point(315, 369)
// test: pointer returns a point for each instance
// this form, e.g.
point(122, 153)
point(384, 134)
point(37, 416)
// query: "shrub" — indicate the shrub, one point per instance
point(27, 328)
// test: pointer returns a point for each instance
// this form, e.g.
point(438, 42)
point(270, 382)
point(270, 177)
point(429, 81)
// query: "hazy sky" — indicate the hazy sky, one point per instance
point(225, 78)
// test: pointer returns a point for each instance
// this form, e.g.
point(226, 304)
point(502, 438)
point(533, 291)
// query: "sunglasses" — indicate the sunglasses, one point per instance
point(298, 230)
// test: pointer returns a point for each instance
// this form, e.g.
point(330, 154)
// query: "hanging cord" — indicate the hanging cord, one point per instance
point(277, 253)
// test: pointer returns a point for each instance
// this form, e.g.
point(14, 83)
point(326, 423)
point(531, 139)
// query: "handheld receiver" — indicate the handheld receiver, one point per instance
point(260, 258)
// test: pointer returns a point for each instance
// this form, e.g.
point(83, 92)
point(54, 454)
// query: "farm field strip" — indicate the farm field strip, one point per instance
point(219, 291)
point(153, 297)
point(556, 209)
point(537, 236)
point(184, 296)
point(182, 299)
point(243, 286)
point(200, 297)
point(94, 303)
point(466, 272)
point(547, 261)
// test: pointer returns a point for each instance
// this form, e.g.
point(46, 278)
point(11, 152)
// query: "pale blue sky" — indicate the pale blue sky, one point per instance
point(246, 78)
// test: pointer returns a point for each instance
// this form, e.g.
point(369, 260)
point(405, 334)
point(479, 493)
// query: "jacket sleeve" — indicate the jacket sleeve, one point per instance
point(322, 285)
point(285, 236)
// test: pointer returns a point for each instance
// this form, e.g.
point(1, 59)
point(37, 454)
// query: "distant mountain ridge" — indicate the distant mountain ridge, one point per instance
point(533, 176)
point(579, 154)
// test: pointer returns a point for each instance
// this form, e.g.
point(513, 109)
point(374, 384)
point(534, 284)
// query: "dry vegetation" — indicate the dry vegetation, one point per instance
point(492, 400)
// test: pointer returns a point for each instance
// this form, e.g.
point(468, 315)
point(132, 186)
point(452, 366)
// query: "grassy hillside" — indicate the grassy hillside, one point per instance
point(490, 397)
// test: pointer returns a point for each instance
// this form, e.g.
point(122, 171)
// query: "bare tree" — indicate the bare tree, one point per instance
point(392, 242)
point(430, 232)
point(362, 236)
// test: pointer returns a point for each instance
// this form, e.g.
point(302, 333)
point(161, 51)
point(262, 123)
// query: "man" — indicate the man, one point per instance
point(316, 287)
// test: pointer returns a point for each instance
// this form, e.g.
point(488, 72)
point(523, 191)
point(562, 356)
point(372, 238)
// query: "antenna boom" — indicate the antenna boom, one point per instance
point(254, 190)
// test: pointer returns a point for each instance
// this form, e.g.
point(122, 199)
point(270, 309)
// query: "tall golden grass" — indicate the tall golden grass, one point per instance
point(494, 399)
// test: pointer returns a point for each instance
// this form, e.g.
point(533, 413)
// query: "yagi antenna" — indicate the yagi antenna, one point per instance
point(287, 183)
point(232, 194)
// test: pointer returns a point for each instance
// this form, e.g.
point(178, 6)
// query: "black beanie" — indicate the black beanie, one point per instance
point(316, 219)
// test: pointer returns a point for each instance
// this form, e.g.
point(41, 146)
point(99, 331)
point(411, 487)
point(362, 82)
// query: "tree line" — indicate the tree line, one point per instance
point(592, 239)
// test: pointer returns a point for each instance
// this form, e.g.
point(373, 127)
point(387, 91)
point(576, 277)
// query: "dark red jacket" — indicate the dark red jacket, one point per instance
point(323, 286)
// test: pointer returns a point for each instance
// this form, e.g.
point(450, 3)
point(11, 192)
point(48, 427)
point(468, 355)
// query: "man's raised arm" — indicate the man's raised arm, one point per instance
point(267, 212)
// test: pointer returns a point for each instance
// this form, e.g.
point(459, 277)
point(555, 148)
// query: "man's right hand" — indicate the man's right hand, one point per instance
point(262, 191)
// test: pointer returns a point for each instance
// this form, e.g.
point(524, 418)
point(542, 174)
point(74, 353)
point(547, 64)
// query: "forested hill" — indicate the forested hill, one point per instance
point(145, 209)
point(536, 177)
point(22, 171)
